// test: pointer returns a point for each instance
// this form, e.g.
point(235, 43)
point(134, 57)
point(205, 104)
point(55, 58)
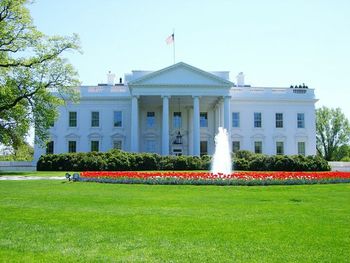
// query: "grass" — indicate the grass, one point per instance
point(78, 222)
point(32, 173)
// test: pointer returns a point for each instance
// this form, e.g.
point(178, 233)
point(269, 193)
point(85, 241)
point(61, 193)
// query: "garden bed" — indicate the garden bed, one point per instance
point(206, 178)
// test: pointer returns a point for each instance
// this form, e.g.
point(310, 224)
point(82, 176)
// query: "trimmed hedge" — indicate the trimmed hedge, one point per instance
point(116, 160)
point(245, 160)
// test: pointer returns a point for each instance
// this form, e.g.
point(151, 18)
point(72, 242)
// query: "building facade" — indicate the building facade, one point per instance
point(177, 111)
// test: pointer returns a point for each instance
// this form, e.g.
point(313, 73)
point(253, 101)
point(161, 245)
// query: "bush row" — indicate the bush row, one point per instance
point(245, 160)
point(116, 160)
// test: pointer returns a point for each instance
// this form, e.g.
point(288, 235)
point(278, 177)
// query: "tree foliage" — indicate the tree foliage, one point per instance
point(31, 68)
point(332, 131)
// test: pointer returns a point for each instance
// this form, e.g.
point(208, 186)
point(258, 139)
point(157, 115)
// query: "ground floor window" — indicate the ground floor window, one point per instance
point(204, 148)
point(95, 145)
point(279, 148)
point(72, 146)
point(117, 144)
point(301, 148)
point(236, 146)
point(258, 146)
point(177, 152)
point(151, 146)
point(50, 147)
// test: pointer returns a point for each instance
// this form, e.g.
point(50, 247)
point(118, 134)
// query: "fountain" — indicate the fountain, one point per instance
point(222, 164)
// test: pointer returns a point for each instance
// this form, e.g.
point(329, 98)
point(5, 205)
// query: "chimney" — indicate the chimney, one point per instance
point(240, 79)
point(110, 78)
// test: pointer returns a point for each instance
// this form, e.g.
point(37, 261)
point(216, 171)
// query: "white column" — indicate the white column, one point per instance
point(196, 127)
point(221, 106)
point(134, 147)
point(227, 113)
point(165, 126)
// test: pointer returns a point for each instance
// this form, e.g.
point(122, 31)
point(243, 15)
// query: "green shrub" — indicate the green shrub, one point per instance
point(116, 160)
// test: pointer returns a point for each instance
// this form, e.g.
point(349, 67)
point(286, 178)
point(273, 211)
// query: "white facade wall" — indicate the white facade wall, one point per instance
point(181, 83)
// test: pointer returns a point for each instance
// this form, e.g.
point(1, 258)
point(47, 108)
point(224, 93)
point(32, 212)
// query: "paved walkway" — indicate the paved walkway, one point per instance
point(18, 178)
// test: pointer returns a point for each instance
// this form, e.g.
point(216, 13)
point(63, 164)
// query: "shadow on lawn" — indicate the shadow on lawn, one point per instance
point(12, 173)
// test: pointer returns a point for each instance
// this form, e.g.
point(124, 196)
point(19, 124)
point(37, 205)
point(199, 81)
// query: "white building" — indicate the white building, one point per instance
point(178, 109)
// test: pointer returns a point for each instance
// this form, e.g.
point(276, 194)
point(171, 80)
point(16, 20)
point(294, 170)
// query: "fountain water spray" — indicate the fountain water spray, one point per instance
point(222, 164)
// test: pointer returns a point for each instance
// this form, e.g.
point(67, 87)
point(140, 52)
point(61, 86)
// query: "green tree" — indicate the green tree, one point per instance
point(342, 153)
point(332, 131)
point(34, 77)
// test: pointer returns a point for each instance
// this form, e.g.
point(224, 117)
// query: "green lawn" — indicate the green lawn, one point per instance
point(33, 173)
point(45, 221)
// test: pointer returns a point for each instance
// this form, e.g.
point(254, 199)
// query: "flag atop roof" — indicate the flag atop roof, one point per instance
point(170, 39)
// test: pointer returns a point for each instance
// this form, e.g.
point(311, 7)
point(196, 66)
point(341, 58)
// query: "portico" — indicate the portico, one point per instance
point(205, 99)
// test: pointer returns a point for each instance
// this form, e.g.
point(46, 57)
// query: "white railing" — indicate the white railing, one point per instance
point(242, 92)
point(117, 90)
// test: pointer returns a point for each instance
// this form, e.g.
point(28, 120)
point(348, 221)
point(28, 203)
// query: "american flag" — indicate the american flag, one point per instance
point(170, 39)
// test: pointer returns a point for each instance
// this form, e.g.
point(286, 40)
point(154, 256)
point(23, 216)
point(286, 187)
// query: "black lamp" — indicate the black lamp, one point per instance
point(178, 138)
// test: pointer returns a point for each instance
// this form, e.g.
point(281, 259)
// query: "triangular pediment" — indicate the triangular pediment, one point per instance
point(181, 74)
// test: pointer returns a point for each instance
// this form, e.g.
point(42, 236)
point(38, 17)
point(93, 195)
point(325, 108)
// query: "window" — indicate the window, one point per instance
point(301, 120)
point(151, 146)
point(258, 146)
point(257, 119)
point(204, 148)
point(72, 119)
point(203, 118)
point(301, 148)
point(177, 152)
point(151, 119)
point(117, 119)
point(235, 119)
point(50, 147)
point(95, 146)
point(236, 146)
point(95, 119)
point(117, 144)
point(177, 123)
point(279, 148)
point(279, 120)
point(72, 146)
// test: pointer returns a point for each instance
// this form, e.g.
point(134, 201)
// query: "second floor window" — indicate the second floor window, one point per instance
point(117, 119)
point(151, 119)
point(279, 120)
point(235, 119)
point(95, 119)
point(177, 120)
point(301, 120)
point(72, 119)
point(257, 119)
point(203, 118)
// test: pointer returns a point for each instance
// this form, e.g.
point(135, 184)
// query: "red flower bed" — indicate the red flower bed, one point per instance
point(133, 177)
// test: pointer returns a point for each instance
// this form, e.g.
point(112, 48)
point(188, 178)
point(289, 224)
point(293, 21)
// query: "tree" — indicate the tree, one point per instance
point(332, 131)
point(31, 68)
point(342, 153)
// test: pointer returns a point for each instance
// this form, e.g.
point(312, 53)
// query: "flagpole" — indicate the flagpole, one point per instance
point(174, 44)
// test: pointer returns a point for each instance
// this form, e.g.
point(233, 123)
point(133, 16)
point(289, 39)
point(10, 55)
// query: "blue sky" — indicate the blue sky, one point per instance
point(275, 43)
